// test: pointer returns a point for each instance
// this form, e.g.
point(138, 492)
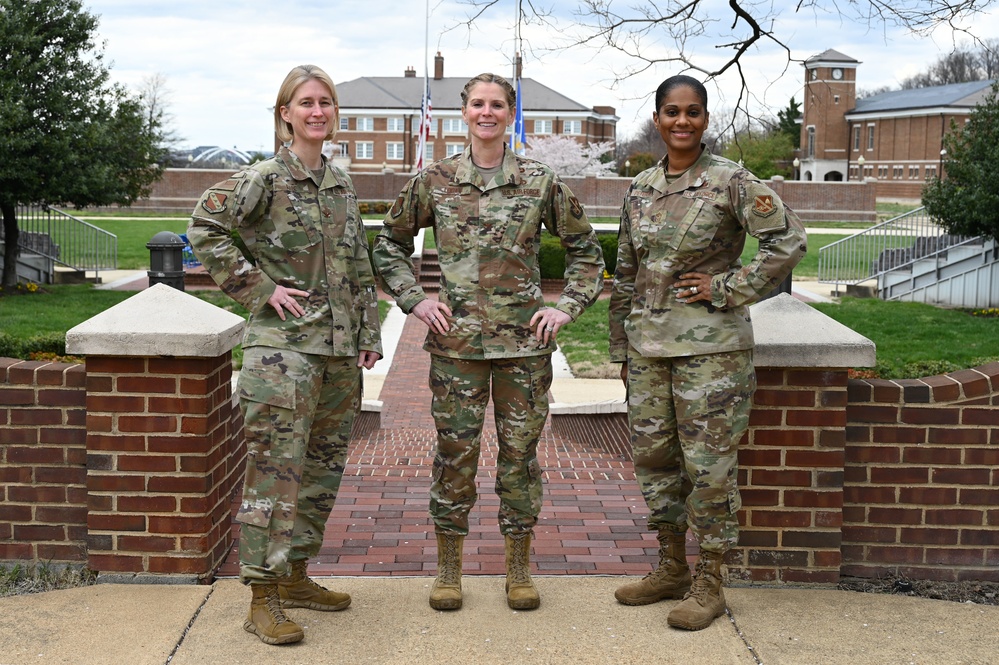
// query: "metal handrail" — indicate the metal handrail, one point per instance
point(65, 239)
point(891, 245)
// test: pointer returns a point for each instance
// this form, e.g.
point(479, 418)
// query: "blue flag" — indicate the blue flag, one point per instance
point(518, 137)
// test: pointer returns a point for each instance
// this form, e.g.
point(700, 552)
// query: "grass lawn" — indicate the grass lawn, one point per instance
point(913, 340)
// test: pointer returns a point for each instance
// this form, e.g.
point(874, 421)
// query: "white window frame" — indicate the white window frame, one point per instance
point(394, 150)
point(870, 137)
point(542, 127)
point(454, 126)
point(364, 149)
point(341, 149)
point(365, 124)
point(574, 127)
point(395, 124)
point(452, 149)
point(344, 123)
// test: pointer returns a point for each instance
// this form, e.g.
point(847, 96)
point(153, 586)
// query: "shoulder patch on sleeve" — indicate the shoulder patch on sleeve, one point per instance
point(214, 202)
point(575, 207)
point(763, 205)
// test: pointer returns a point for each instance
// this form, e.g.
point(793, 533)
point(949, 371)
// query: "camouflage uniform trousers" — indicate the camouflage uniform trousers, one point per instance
point(520, 402)
point(687, 415)
point(298, 409)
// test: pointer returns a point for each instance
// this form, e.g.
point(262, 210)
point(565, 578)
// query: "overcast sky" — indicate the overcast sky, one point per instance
point(223, 60)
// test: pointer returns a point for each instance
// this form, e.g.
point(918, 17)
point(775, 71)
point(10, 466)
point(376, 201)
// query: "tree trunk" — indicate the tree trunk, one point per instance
point(11, 233)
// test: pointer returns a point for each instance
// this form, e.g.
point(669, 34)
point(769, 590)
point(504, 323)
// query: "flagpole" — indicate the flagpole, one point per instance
point(421, 158)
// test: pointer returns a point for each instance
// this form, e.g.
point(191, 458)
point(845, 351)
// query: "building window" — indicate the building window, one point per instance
point(342, 149)
point(365, 150)
point(931, 172)
point(365, 124)
point(416, 126)
point(572, 127)
point(811, 142)
point(896, 172)
point(394, 150)
point(856, 138)
point(454, 126)
point(396, 125)
point(344, 123)
point(870, 137)
point(835, 99)
point(453, 149)
point(542, 126)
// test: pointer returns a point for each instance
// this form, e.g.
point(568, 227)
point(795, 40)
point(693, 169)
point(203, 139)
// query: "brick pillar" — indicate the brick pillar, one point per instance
point(164, 449)
point(791, 471)
point(791, 460)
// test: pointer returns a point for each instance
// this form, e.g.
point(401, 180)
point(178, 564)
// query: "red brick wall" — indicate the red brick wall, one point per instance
point(179, 189)
point(921, 485)
point(162, 471)
point(860, 477)
point(43, 461)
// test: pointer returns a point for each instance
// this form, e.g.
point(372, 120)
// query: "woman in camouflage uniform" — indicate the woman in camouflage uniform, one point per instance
point(486, 207)
point(679, 323)
point(309, 287)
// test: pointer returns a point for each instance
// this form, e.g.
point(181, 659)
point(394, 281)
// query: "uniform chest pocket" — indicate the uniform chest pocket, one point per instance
point(522, 229)
point(454, 229)
point(698, 227)
point(655, 226)
point(295, 220)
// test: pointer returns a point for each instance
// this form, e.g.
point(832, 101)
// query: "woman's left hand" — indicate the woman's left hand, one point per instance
point(692, 286)
point(549, 320)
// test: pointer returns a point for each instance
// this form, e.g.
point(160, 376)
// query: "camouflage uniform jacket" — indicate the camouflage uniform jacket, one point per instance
point(488, 237)
point(301, 236)
point(698, 223)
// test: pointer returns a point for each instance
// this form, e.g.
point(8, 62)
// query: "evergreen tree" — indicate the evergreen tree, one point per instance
point(787, 122)
point(964, 198)
point(67, 134)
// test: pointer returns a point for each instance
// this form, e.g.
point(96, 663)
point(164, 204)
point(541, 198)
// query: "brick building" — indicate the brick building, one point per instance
point(380, 118)
point(895, 137)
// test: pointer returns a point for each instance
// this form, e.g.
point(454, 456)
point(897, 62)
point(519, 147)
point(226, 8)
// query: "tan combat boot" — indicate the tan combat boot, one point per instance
point(267, 620)
point(705, 601)
point(521, 594)
point(670, 580)
point(297, 589)
point(446, 592)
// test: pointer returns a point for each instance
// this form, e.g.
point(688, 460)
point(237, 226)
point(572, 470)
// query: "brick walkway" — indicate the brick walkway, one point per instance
point(592, 521)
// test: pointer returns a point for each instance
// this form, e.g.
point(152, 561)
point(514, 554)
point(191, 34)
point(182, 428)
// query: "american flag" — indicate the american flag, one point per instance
point(421, 149)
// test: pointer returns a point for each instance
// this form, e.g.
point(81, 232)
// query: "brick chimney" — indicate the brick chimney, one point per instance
point(410, 72)
point(438, 66)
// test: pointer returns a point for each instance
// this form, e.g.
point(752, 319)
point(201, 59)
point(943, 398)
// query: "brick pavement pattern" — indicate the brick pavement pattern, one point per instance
point(592, 522)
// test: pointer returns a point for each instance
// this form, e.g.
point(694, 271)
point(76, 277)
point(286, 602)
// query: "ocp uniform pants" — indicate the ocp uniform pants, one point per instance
point(520, 401)
point(687, 415)
point(298, 410)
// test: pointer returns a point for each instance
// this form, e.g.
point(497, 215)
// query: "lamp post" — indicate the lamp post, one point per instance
point(860, 167)
point(796, 164)
point(627, 168)
point(943, 155)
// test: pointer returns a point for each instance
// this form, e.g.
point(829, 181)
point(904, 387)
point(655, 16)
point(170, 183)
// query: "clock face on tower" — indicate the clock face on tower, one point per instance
point(837, 73)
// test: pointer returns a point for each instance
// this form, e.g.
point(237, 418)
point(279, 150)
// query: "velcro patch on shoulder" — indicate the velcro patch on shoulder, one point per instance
point(763, 205)
point(215, 202)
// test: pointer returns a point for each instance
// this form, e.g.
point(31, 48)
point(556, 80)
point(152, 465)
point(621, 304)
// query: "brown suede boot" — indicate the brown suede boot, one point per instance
point(446, 592)
point(297, 589)
point(670, 580)
point(521, 594)
point(267, 620)
point(705, 601)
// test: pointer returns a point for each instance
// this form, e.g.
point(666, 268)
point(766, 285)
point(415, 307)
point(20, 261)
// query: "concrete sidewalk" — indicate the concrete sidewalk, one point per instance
point(578, 623)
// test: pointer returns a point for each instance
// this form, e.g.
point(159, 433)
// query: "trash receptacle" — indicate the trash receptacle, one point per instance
point(166, 260)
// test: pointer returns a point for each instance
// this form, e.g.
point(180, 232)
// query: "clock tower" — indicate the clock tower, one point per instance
point(830, 92)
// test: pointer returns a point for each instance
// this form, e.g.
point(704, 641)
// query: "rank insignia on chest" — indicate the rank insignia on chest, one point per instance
point(763, 205)
point(215, 202)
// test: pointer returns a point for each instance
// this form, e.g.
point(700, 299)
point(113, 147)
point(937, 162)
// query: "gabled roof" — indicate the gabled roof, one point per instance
point(960, 95)
point(406, 93)
point(831, 55)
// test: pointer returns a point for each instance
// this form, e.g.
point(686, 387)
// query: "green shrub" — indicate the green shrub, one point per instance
point(551, 256)
point(50, 344)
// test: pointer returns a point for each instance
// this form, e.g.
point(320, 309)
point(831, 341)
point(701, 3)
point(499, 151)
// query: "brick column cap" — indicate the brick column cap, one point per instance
point(790, 333)
point(158, 321)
